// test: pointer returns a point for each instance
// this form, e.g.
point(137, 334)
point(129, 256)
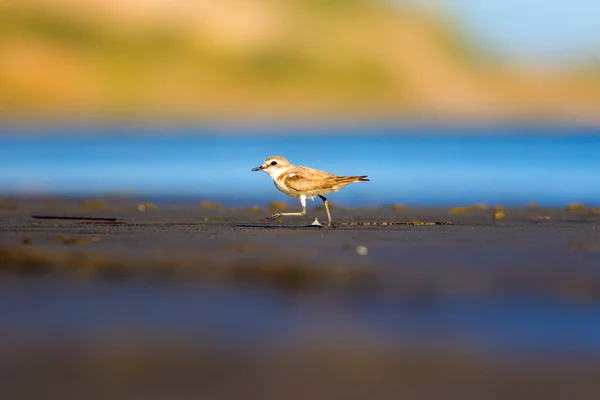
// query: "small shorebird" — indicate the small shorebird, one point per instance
point(304, 182)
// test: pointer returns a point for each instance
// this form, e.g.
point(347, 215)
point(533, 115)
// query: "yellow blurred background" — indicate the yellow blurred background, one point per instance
point(201, 60)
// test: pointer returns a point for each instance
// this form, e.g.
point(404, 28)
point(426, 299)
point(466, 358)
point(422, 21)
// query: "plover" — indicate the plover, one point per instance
point(303, 182)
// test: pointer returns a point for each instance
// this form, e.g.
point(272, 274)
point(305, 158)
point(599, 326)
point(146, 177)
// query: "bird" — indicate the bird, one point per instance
point(304, 182)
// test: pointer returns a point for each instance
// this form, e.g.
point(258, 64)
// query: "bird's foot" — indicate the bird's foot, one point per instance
point(274, 217)
point(316, 223)
point(331, 225)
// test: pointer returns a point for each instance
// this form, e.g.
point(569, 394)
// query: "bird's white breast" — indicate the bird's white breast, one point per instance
point(283, 188)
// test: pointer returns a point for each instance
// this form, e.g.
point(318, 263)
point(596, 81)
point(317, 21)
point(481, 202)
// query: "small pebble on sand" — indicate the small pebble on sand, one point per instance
point(498, 215)
point(362, 250)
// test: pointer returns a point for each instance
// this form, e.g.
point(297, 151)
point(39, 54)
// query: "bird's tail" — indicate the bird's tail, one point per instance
point(350, 179)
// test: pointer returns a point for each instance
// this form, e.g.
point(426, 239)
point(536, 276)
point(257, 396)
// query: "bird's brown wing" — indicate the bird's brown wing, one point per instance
point(306, 180)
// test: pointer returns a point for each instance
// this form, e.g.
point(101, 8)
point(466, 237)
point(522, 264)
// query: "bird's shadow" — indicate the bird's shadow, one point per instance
point(264, 226)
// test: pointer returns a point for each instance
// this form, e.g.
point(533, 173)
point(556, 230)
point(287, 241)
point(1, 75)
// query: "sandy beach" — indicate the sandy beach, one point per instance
point(177, 301)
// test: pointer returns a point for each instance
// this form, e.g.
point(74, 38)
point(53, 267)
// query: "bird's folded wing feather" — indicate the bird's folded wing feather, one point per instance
point(307, 179)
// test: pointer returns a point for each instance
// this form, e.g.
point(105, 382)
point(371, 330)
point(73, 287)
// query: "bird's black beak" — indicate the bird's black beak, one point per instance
point(258, 168)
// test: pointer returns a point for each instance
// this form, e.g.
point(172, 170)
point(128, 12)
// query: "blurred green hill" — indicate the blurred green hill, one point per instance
point(279, 59)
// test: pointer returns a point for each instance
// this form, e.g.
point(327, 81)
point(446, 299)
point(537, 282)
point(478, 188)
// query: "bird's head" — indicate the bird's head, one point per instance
point(274, 166)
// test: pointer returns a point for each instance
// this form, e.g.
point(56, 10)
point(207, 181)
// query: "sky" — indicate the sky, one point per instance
point(530, 30)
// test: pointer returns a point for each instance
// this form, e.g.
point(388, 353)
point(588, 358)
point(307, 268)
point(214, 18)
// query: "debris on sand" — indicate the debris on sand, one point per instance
point(498, 213)
point(145, 207)
point(411, 222)
point(278, 206)
point(575, 207)
point(539, 218)
point(468, 209)
point(209, 205)
point(362, 250)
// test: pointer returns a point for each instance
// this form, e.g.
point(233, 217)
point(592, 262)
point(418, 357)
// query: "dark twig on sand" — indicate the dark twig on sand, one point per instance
point(77, 218)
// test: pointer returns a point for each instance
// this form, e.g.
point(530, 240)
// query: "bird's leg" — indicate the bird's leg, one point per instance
point(330, 224)
point(279, 215)
point(301, 213)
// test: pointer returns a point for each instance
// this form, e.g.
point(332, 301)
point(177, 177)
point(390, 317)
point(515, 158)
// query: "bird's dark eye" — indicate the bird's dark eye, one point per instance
point(273, 162)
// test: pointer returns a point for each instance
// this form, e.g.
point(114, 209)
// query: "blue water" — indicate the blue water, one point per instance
point(425, 166)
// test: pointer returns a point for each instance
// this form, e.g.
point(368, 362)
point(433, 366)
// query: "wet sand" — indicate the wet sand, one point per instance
point(182, 302)
point(381, 245)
